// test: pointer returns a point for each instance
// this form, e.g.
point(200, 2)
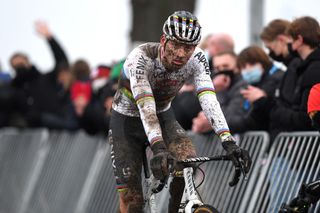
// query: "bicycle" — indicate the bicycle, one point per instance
point(308, 195)
point(191, 201)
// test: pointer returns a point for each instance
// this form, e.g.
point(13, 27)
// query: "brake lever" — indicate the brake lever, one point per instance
point(236, 177)
point(238, 170)
point(242, 170)
point(161, 185)
point(171, 165)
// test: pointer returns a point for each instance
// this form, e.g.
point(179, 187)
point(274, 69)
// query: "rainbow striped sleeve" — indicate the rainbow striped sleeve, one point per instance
point(205, 90)
point(122, 187)
point(223, 133)
point(143, 97)
point(155, 140)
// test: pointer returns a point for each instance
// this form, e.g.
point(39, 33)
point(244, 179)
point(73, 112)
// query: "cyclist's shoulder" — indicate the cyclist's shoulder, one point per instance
point(148, 50)
point(199, 60)
point(198, 56)
point(143, 55)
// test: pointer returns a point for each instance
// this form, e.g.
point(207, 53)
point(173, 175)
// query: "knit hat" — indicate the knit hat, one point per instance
point(314, 98)
point(102, 71)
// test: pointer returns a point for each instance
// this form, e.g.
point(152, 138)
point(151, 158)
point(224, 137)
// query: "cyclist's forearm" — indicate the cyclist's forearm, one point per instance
point(213, 112)
point(208, 100)
point(147, 109)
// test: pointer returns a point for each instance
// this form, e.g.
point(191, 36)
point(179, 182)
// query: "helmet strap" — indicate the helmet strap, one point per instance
point(165, 44)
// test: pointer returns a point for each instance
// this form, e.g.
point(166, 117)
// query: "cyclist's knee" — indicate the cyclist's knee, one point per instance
point(182, 148)
point(131, 201)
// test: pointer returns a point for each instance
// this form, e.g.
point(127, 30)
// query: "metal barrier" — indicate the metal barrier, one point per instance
point(20, 164)
point(55, 172)
point(294, 159)
point(42, 171)
point(216, 190)
point(63, 173)
point(104, 197)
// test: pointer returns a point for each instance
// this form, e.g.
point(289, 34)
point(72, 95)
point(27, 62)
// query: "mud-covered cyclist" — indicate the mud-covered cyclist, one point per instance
point(151, 77)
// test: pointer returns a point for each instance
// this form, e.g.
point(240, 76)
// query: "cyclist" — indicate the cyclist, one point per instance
point(152, 75)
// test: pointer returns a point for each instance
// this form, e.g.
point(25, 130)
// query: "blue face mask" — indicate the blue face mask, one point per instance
point(252, 76)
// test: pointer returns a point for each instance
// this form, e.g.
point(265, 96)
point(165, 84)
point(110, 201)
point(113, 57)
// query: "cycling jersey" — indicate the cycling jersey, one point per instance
point(147, 88)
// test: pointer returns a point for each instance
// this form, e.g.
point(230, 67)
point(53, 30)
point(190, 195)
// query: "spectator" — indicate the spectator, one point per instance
point(100, 77)
point(218, 43)
point(257, 69)
point(92, 112)
point(43, 99)
point(277, 41)
point(288, 112)
point(5, 98)
point(81, 90)
point(280, 49)
point(228, 83)
point(204, 43)
point(186, 105)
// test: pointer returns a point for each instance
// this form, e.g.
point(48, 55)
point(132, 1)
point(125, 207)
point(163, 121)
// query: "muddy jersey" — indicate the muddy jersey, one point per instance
point(146, 88)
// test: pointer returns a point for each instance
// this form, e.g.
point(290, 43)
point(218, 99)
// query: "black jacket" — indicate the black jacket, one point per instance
point(40, 96)
point(289, 111)
point(186, 106)
point(268, 83)
point(231, 101)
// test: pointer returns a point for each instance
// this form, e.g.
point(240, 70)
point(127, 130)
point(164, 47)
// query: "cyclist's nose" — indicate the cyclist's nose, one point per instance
point(180, 52)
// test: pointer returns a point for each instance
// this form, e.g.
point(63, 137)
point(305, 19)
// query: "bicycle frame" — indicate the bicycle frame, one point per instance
point(189, 199)
point(190, 196)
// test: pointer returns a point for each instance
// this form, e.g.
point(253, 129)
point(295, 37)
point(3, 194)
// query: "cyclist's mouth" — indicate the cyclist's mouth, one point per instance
point(177, 62)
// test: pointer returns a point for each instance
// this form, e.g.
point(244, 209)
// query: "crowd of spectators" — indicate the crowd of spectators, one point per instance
point(254, 93)
point(70, 96)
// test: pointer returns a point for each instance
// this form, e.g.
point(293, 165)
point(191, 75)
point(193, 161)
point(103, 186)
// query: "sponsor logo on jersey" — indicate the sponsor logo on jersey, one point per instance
point(203, 60)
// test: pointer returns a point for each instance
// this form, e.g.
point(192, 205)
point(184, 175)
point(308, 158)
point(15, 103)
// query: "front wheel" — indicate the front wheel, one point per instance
point(205, 209)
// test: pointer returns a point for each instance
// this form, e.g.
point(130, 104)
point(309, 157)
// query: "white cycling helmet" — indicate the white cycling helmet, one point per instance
point(183, 26)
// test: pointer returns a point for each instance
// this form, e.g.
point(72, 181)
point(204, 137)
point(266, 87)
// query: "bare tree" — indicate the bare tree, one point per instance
point(149, 16)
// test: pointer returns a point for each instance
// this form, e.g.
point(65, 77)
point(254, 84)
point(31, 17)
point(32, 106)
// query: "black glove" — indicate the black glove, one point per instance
point(159, 161)
point(238, 155)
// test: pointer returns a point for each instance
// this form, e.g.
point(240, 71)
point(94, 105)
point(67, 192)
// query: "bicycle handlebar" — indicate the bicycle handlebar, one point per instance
point(238, 169)
point(204, 159)
point(190, 161)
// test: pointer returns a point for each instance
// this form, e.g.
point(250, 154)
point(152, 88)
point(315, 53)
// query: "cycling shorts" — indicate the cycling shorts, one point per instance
point(128, 142)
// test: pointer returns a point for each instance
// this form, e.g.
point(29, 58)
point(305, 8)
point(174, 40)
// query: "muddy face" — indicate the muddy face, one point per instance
point(175, 55)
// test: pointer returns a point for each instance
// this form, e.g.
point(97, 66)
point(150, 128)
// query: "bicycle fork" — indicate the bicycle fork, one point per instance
point(190, 195)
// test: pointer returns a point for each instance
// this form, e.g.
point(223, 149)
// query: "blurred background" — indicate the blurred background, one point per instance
point(56, 95)
point(103, 31)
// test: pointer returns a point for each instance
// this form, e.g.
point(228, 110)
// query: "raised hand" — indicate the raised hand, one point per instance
point(43, 29)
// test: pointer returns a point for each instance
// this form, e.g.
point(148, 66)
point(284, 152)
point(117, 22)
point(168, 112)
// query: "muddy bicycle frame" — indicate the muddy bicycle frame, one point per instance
point(190, 198)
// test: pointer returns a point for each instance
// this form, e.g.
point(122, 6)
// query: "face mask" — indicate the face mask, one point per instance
point(229, 73)
point(252, 76)
point(292, 53)
point(21, 70)
point(275, 57)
